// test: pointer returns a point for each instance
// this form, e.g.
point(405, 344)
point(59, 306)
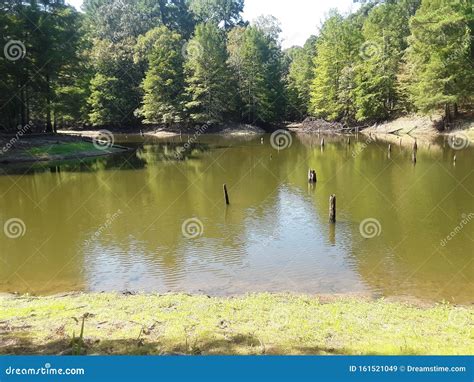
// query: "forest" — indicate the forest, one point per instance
point(193, 62)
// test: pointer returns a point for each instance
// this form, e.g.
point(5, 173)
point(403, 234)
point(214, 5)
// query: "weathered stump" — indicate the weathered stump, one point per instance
point(332, 209)
point(312, 177)
point(226, 195)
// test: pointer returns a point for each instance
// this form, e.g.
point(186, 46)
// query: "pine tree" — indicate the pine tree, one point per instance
point(208, 76)
point(439, 56)
point(163, 85)
point(256, 59)
point(332, 91)
point(115, 89)
point(299, 78)
point(385, 31)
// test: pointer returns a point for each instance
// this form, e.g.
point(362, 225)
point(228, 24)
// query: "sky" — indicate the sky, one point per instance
point(299, 18)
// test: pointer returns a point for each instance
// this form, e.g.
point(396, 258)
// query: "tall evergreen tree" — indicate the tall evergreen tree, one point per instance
point(257, 61)
point(115, 89)
point(41, 41)
point(439, 56)
point(208, 76)
point(163, 85)
point(299, 78)
point(385, 33)
point(332, 91)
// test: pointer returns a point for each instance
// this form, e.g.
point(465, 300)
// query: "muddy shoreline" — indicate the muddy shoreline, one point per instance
point(323, 297)
point(166, 132)
point(72, 143)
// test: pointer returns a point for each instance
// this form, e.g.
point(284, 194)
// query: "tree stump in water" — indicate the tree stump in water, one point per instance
point(226, 195)
point(332, 209)
point(312, 177)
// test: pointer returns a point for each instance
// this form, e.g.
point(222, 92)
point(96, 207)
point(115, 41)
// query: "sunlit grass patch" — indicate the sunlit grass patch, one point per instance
point(253, 324)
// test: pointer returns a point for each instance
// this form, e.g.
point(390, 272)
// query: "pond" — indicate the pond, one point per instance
point(153, 221)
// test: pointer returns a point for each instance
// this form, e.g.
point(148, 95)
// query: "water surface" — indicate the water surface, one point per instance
point(116, 223)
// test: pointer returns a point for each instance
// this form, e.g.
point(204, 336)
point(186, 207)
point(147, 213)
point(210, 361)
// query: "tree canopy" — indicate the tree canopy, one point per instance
point(187, 62)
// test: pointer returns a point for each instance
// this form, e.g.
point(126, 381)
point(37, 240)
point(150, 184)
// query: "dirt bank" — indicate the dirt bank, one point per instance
point(422, 129)
point(403, 131)
point(166, 132)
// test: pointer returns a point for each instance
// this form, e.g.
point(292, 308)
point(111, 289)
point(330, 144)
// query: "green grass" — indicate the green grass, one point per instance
point(63, 149)
point(253, 324)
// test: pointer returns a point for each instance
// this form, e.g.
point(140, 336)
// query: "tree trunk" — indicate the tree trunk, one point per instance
point(55, 124)
point(49, 125)
point(447, 115)
point(23, 106)
point(27, 95)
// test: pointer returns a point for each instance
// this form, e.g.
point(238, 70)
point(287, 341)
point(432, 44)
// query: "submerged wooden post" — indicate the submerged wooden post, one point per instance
point(322, 143)
point(415, 146)
point(332, 209)
point(390, 148)
point(413, 157)
point(226, 195)
point(312, 177)
point(349, 141)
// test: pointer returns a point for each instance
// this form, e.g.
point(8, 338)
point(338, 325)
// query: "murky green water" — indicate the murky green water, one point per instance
point(116, 223)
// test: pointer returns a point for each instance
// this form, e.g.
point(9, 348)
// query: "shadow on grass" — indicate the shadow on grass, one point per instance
point(22, 344)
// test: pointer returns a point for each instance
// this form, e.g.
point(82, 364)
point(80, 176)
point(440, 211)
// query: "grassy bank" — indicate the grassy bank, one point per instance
point(254, 324)
point(37, 148)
